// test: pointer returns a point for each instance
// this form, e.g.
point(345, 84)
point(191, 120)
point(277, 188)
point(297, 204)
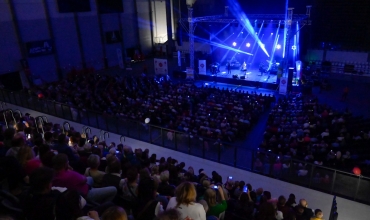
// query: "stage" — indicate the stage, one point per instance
point(252, 77)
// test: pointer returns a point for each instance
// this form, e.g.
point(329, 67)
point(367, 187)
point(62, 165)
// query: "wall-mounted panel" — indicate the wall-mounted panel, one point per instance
point(66, 42)
point(110, 22)
point(91, 41)
point(5, 14)
point(10, 53)
point(128, 19)
point(29, 9)
point(44, 67)
point(33, 30)
point(143, 17)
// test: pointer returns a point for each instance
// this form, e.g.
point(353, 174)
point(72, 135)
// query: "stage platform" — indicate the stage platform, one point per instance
point(253, 78)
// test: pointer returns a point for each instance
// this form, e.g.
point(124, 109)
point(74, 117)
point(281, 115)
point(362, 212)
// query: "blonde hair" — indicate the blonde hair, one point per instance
point(210, 197)
point(114, 213)
point(25, 154)
point(185, 193)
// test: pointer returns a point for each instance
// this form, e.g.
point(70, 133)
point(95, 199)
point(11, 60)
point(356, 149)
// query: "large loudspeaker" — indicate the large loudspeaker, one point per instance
point(235, 76)
point(179, 34)
point(290, 78)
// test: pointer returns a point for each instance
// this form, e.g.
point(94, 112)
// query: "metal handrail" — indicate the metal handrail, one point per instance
point(19, 112)
point(95, 119)
point(6, 120)
point(2, 105)
point(103, 135)
point(122, 137)
point(45, 119)
point(68, 125)
point(39, 121)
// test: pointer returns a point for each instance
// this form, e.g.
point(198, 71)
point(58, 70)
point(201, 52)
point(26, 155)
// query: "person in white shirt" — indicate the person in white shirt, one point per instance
point(185, 204)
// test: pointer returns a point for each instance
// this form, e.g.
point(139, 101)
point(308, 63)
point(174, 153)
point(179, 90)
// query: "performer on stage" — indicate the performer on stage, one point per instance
point(244, 67)
point(228, 68)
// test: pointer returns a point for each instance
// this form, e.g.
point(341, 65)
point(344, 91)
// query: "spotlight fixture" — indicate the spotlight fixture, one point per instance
point(248, 45)
point(272, 33)
point(234, 44)
point(278, 46)
point(294, 47)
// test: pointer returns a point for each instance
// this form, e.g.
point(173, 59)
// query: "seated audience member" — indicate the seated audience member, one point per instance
point(266, 212)
point(291, 201)
point(215, 208)
point(164, 188)
point(244, 206)
point(94, 161)
point(171, 214)
point(73, 180)
point(62, 147)
point(69, 206)
point(129, 189)
point(27, 159)
point(205, 206)
point(148, 207)
point(185, 204)
point(114, 213)
point(38, 203)
point(318, 215)
point(18, 141)
point(239, 189)
point(113, 177)
point(281, 206)
point(308, 213)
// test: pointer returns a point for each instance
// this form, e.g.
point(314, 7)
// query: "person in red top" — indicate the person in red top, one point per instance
point(73, 180)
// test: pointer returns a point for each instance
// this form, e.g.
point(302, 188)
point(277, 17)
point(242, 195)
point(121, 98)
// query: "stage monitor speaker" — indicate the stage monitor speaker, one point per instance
point(242, 77)
point(235, 76)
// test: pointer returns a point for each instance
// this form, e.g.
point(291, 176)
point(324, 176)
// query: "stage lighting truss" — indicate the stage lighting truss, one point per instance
point(258, 18)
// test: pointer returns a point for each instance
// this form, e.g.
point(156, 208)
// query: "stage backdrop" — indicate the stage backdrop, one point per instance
point(202, 67)
point(160, 66)
point(283, 86)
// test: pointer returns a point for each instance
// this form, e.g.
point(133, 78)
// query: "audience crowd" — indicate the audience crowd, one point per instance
point(58, 175)
point(205, 111)
point(301, 128)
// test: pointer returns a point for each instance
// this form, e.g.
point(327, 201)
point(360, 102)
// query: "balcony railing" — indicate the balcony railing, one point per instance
point(316, 177)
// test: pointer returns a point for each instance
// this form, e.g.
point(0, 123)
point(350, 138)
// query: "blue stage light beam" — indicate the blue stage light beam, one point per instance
point(237, 11)
point(274, 45)
point(242, 44)
point(254, 48)
point(220, 45)
point(228, 51)
point(223, 42)
point(298, 29)
point(285, 27)
point(215, 35)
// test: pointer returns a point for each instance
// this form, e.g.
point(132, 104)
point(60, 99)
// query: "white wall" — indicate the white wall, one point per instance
point(159, 21)
point(144, 25)
point(347, 209)
point(10, 53)
point(33, 26)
